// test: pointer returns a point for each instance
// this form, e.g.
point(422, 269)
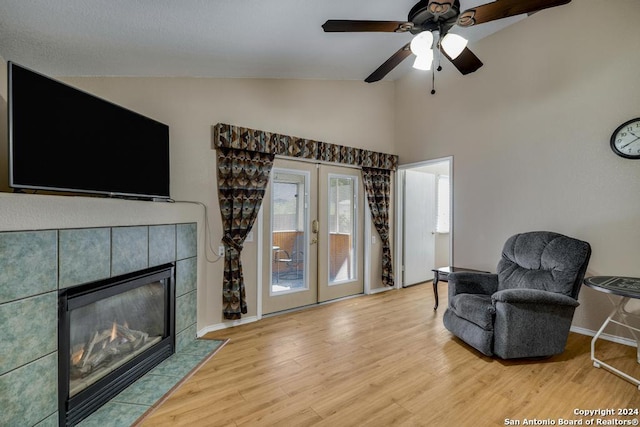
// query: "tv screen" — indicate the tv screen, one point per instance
point(64, 139)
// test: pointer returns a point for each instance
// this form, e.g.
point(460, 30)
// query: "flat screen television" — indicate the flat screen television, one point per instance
point(65, 139)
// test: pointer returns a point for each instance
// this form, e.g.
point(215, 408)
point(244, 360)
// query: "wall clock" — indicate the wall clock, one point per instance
point(625, 141)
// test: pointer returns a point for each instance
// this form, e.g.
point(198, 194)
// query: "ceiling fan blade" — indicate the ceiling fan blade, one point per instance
point(345, 25)
point(389, 64)
point(467, 62)
point(504, 8)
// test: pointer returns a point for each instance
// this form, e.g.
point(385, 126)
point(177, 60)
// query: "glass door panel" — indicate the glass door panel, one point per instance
point(340, 212)
point(290, 274)
point(288, 232)
point(342, 228)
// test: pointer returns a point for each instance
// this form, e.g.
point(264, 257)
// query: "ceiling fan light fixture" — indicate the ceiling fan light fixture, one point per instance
point(423, 61)
point(453, 45)
point(421, 44)
point(428, 16)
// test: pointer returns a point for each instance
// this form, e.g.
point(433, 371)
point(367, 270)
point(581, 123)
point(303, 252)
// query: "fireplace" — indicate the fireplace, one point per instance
point(111, 333)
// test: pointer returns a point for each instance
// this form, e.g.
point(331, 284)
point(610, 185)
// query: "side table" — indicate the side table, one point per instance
point(442, 273)
point(628, 288)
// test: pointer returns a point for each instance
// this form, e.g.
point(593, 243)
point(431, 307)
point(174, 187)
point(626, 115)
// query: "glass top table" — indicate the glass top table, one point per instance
point(623, 286)
point(628, 288)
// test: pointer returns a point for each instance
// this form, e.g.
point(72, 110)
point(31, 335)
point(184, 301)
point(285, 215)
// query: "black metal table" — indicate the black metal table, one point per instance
point(628, 288)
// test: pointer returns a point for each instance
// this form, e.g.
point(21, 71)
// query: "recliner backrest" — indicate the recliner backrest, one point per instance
point(543, 260)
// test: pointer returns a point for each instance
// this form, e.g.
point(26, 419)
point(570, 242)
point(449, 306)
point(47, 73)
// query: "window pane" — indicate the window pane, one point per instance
point(288, 232)
point(285, 206)
point(341, 229)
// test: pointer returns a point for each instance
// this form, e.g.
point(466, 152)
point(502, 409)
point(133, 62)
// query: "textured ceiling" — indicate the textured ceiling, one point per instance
point(212, 38)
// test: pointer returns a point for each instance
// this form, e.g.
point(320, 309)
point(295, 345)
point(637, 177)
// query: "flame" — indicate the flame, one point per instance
point(77, 356)
point(114, 334)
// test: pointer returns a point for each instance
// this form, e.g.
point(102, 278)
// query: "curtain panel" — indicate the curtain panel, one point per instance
point(377, 185)
point(242, 179)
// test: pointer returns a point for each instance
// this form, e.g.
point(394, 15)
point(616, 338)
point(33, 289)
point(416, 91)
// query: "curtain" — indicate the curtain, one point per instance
point(242, 179)
point(377, 185)
point(245, 159)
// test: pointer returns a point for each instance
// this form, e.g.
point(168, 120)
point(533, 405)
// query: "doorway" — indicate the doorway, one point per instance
point(424, 230)
point(313, 235)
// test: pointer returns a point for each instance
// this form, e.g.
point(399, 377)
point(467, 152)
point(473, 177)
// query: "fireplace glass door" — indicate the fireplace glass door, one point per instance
point(111, 333)
point(106, 334)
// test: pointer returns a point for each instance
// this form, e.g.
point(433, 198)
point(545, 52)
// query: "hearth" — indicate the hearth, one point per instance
point(111, 333)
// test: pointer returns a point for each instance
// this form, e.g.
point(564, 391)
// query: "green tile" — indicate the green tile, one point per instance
point(147, 390)
point(50, 421)
point(178, 365)
point(114, 414)
point(201, 347)
point(130, 249)
point(186, 241)
point(28, 264)
point(186, 311)
point(29, 394)
point(85, 255)
point(185, 337)
point(186, 275)
point(162, 244)
point(29, 330)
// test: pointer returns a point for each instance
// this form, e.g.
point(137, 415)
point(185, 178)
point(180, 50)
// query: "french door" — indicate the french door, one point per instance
point(313, 235)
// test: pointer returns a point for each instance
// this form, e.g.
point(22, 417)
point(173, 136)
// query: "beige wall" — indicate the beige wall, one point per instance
point(530, 132)
point(348, 113)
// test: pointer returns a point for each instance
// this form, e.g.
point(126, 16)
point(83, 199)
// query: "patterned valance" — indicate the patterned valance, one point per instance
point(230, 136)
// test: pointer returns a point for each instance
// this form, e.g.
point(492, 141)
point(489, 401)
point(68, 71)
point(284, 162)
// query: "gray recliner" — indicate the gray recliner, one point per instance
point(526, 309)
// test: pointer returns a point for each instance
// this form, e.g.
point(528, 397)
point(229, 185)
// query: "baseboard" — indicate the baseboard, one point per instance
point(226, 325)
point(251, 319)
point(378, 290)
point(608, 337)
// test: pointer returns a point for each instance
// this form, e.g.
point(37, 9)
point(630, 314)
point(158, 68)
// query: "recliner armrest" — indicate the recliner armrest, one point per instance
point(467, 282)
point(533, 296)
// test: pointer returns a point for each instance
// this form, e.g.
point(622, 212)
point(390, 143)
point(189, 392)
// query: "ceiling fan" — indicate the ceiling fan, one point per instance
point(438, 16)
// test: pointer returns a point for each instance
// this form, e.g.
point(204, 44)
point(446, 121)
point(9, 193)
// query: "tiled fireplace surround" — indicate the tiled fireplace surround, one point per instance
point(34, 265)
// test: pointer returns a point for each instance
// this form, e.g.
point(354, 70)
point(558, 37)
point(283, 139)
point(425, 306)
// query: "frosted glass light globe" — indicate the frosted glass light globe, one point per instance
point(422, 43)
point(423, 61)
point(453, 45)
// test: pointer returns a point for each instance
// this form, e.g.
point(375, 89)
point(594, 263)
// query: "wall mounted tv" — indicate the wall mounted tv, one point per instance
point(64, 139)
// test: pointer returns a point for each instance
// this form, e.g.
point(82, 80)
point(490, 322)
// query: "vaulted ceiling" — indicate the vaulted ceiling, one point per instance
point(208, 38)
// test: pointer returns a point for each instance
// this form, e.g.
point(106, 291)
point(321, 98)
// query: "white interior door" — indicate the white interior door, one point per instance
point(419, 226)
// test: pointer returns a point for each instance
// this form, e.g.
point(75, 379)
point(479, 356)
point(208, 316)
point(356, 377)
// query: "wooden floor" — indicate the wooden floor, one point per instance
point(386, 360)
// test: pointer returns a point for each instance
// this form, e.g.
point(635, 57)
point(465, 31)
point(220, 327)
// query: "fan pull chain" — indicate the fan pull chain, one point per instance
point(433, 72)
point(433, 82)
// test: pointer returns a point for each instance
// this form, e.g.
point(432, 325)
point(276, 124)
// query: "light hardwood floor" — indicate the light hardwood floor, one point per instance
point(386, 360)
